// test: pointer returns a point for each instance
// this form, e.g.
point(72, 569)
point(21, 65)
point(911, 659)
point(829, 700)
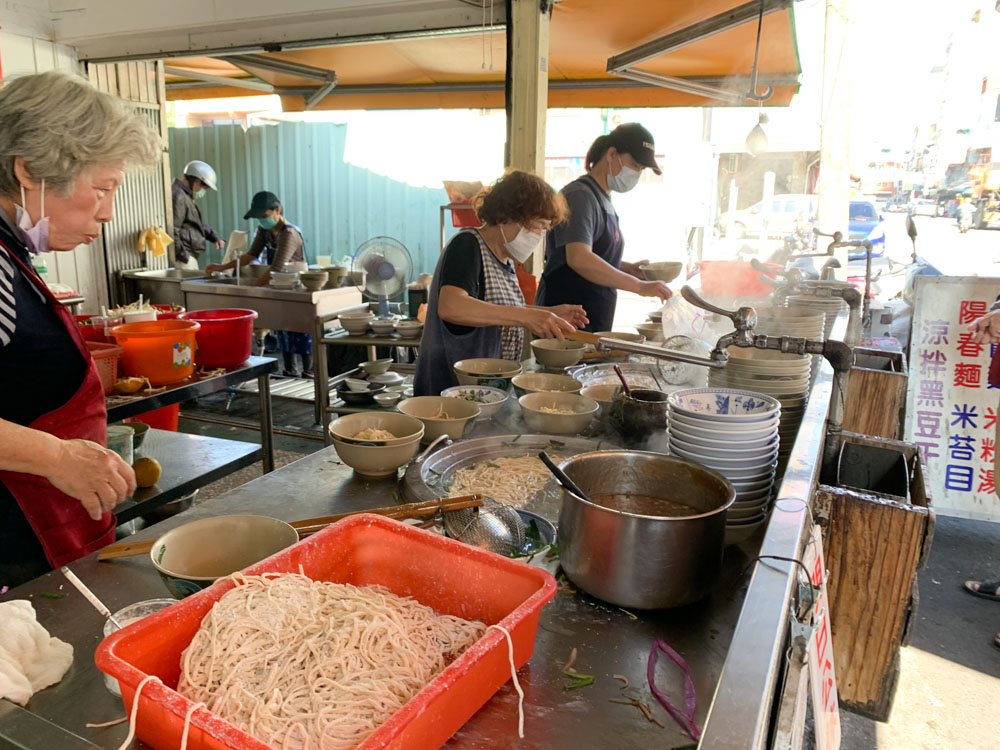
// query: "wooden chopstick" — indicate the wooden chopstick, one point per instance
point(310, 526)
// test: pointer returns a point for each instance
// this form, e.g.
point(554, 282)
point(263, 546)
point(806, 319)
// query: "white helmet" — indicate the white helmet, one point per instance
point(201, 171)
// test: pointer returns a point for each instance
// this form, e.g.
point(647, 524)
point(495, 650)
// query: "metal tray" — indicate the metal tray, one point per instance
point(588, 374)
point(428, 479)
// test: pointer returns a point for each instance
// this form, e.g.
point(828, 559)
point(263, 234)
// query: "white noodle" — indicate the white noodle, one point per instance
point(555, 410)
point(373, 433)
point(135, 710)
point(304, 664)
point(513, 677)
point(513, 481)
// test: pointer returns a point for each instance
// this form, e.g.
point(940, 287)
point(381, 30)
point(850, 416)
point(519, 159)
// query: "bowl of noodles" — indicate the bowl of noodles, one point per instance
point(537, 382)
point(440, 415)
point(377, 428)
point(557, 413)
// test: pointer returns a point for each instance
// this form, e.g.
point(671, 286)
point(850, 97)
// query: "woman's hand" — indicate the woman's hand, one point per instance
point(573, 314)
point(95, 476)
point(986, 330)
point(545, 324)
point(632, 269)
point(654, 289)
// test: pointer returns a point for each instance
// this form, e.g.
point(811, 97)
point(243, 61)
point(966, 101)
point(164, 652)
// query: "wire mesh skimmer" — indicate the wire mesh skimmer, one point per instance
point(492, 526)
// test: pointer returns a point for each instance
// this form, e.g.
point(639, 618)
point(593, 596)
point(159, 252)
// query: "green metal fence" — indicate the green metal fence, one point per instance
point(336, 205)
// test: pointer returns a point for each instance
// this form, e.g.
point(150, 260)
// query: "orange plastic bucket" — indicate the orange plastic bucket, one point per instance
point(160, 350)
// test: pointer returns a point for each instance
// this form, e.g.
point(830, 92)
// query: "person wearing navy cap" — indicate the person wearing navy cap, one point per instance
point(277, 243)
point(583, 256)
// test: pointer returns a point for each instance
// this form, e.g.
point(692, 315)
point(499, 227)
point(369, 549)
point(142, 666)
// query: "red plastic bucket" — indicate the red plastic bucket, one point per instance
point(159, 350)
point(225, 337)
point(164, 418)
point(168, 312)
point(734, 278)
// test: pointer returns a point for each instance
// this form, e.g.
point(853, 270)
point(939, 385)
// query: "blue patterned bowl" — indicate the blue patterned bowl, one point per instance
point(725, 405)
point(489, 400)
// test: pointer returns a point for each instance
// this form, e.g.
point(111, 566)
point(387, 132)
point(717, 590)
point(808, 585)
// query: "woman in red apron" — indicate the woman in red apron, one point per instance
point(63, 148)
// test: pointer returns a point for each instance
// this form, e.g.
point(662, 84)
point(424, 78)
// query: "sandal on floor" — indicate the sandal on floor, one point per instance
point(988, 585)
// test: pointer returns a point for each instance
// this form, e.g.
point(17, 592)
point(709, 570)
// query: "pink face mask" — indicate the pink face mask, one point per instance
point(35, 236)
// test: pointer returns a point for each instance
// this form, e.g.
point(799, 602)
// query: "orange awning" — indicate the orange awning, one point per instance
point(448, 71)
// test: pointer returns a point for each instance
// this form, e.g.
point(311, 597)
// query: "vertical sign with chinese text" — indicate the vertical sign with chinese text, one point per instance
point(819, 652)
point(951, 409)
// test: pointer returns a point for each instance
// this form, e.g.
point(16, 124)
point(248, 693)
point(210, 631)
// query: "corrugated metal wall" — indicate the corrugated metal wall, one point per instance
point(141, 200)
point(337, 205)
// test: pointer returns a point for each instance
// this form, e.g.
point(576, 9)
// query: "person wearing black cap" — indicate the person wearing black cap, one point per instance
point(583, 256)
point(277, 243)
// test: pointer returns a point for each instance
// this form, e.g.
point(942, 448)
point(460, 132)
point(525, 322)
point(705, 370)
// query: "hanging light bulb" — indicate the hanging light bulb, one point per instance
point(756, 142)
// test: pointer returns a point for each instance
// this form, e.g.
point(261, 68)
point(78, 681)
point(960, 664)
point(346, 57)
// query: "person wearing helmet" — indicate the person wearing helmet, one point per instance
point(190, 231)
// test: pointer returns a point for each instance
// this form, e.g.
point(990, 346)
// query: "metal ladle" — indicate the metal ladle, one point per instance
point(561, 477)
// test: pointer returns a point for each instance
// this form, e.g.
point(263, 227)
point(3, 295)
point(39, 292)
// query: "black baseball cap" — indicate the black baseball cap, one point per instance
point(635, 140)
point(264, 201)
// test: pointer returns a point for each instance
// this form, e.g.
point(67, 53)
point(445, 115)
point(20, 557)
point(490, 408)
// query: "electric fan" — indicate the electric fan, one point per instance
point(384, 266)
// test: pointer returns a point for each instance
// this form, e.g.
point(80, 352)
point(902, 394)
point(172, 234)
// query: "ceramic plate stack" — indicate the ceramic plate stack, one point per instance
point(784, 377)
point(734, 432)
point(832, 306)
point(807, 324)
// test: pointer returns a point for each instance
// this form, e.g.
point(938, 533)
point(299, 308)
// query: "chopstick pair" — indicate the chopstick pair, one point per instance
point(310, 526)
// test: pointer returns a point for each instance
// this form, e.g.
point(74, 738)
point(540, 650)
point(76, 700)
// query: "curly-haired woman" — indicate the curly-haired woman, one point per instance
point(476, 308)
point(64, 147)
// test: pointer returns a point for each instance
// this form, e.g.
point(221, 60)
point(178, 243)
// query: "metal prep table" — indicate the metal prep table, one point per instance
point(277, 309)
point(259, 368)
point(734, 640)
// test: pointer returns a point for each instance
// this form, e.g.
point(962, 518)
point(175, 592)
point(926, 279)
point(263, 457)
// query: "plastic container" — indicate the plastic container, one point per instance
point(93, 328)
point(126, 616)
point(161, 350)
point(164, 418)
point(140, 316)
point(106, 358)
point(120, 441)
point(225, 338)
point(168, 312)
point(452, 577)
point(734, 278)
point(464, 217)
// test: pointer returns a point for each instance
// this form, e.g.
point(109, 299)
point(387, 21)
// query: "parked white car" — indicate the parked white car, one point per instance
point(787, 211)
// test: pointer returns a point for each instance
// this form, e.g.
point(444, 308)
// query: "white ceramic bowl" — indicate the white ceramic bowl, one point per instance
point(739, 534)
point(489, 400)
point(539, 382)
point(357, 385)
point(409, 329)
point(743, 429)
point(724, 404)
point(583, 409)
point(376, 460)
point(387, 398)
point(731, 450)
point(460, 414)
point(556, 353)
point(652, 331)
point(759, 461)
point(685, 434)
point(381, 327)
point(376, 366)
point(388, 378)
point(403, 427)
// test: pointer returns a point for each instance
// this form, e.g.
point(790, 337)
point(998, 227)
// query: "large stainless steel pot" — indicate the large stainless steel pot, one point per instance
point(637, 561)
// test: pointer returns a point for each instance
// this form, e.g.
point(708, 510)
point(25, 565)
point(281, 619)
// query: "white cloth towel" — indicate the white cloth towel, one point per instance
point(30, 659)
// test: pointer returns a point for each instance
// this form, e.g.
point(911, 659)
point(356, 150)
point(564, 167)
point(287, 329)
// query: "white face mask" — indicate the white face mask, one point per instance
point(625, 180)
point(35, 236)
point(522, 246)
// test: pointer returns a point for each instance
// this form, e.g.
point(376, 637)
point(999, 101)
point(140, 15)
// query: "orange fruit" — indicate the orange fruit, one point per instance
point(147, 471)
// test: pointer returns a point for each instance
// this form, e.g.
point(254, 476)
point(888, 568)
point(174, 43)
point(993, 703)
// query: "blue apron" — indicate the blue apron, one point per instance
point(561, 285)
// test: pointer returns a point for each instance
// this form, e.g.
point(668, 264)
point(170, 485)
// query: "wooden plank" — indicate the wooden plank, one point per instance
point(874, 549)
point(134, 89)
point(121, 72)
point(876, 400)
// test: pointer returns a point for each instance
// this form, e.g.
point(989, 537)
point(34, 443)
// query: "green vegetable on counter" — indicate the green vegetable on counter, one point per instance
point(50, 595)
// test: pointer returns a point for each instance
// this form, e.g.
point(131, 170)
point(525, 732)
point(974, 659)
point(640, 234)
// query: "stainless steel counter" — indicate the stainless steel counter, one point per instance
point(733, 640)
point(279, 309)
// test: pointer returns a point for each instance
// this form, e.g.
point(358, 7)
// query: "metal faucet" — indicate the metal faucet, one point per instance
point(839, 354)
point(237, 270)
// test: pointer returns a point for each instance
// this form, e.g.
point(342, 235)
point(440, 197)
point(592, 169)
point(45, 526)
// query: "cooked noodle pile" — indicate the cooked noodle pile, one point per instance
point(374, 433)
point(555, 410)
point(303, 664)
point(513, 481)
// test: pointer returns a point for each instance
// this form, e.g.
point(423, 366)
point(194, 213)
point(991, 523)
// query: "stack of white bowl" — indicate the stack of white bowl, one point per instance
point(802, 323)
point(831, 306)
point(784, 377)
point(734, 432)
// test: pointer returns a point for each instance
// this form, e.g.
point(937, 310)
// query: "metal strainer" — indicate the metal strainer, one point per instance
point(492, 526)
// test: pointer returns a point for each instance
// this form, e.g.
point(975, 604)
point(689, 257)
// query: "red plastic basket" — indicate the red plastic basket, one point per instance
point(464, 217)
point(106, 358)
point(449, 576)
point(734, 278)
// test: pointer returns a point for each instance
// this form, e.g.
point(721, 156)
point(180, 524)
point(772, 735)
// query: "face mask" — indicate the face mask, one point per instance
point(35, 236)
point(523, 244)
point(267, 222)
point(200, 193)
point(625, 180)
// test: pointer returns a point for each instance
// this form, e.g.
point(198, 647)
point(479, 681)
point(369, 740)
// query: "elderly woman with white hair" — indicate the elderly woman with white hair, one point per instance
point(64, 147)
